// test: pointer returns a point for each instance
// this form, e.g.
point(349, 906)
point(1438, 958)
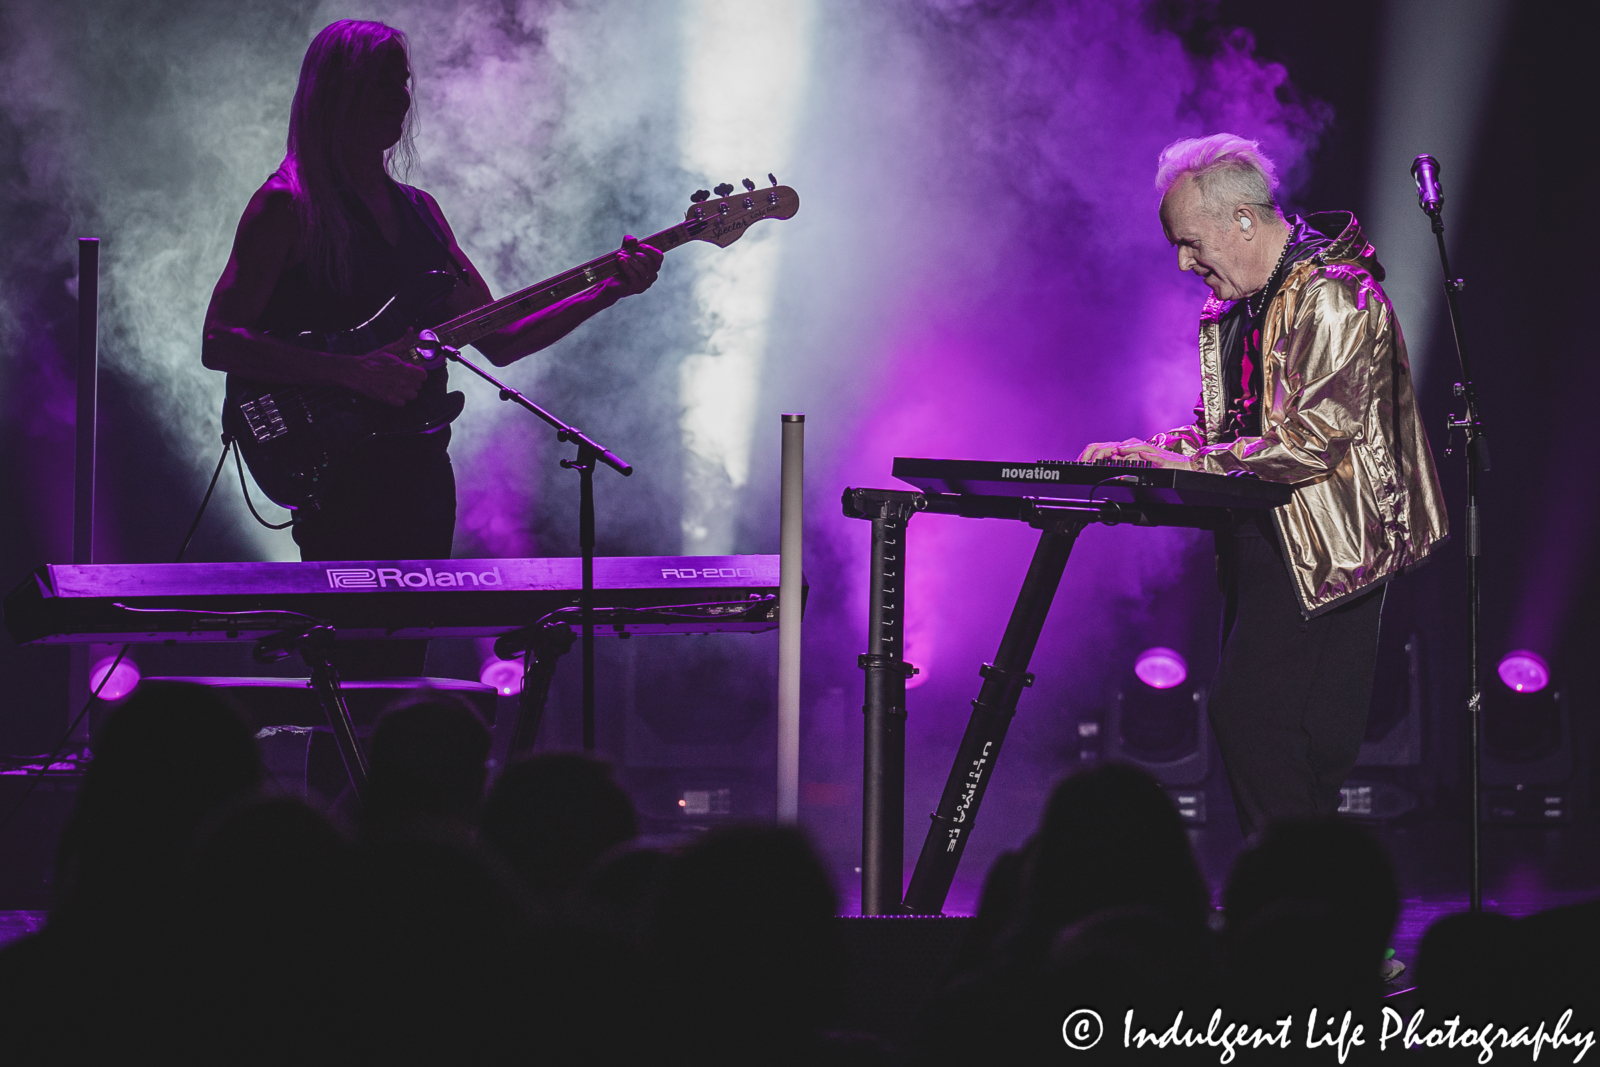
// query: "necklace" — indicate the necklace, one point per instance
point(1272, 279)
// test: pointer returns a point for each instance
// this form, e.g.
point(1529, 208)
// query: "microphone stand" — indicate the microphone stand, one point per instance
point(1477, 455)
point(588, 452)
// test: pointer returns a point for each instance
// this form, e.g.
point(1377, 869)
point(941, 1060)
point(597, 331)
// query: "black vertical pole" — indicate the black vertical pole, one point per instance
point(586, 603)
point(88, 399)
point(1475, 686)
point(884, 710)
point(88, 377)
point(1477, 460)
point(1430, 196)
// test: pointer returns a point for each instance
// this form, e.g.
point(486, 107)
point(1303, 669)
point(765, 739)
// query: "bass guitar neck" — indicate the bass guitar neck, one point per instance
point(719, 222)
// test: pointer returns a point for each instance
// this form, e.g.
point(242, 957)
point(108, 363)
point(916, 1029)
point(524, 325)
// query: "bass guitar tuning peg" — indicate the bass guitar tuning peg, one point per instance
point(700, 196)
point(724, 189)
point(773, 179)
point(749, 186)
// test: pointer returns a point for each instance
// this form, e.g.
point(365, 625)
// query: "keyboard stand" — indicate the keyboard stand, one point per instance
point(883, 791)
point(315, 645)
point(541, 647)
point(1003, 683)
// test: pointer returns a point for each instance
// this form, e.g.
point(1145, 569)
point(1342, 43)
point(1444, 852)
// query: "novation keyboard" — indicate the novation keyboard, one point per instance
point(1121, 482)
point(1059, 498)
point(398, 599)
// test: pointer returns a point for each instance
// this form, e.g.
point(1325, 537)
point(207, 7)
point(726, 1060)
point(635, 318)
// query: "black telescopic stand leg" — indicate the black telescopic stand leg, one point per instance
point(552, 641)
point(1475, 689)
point(584, 465)
point(1003, 682)
point(883, 792)
point(316, 649)
point(1477, 452)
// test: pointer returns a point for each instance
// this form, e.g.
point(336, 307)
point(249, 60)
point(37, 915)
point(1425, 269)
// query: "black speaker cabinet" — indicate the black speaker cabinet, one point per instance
point(1164, 731)
point(1527, 737)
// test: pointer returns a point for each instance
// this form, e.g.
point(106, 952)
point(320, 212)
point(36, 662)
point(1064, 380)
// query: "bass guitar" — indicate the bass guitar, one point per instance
point(293, 437)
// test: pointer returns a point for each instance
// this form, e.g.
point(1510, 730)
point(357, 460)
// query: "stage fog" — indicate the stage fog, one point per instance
point(976, 271)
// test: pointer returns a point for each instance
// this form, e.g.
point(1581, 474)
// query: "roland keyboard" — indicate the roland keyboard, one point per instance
point(398, 599)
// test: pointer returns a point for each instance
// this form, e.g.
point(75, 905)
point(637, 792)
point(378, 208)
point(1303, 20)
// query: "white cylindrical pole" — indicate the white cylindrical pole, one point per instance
point(789, 604)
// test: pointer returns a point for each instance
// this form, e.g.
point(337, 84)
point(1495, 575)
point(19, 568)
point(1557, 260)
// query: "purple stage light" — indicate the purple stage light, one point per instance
point(1524, 671)
point(504, 674)
point(121, 682)
point(1161, 668)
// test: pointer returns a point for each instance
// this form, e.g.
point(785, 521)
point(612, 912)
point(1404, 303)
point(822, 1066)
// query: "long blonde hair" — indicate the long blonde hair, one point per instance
point(340, 65)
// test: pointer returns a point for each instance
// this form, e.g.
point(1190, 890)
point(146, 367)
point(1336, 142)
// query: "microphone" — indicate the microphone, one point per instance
point(1425, 169)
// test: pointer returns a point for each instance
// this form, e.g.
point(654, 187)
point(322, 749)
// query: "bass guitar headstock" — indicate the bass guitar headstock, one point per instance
point(723, 221)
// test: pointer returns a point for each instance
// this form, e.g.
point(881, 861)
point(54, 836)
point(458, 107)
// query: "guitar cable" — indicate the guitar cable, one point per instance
point(49, 761)
point(245, 488)
point(227, 443)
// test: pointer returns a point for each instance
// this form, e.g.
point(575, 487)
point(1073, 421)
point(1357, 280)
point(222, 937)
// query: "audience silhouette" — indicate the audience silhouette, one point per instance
point(551, 817)
point(743, 949)
point(1109, 869)
point(428, 764)
point(266, 931)
point(95, 983)
point(201, 918)
point(1310, 912)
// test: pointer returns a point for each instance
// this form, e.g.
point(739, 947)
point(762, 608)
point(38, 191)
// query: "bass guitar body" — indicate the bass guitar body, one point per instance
point(294, 437)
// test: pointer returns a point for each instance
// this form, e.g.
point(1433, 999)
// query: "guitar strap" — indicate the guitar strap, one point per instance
point(420, 206)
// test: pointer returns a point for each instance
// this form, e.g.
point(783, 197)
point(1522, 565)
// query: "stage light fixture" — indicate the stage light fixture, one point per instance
point(1526, 736)
point(1158, 725)
point(122, 680)
point(1161, 668)
point(1524, 671)
point(504, 674)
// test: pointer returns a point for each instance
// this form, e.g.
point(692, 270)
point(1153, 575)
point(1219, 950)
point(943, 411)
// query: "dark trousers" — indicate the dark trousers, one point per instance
point(1289, 704)
point(396, 502)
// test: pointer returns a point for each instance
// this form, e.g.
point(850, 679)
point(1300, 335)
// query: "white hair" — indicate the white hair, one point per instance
point(1228, 169)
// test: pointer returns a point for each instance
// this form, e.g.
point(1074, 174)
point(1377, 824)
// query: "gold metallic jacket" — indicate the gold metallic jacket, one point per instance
point(1339, 422)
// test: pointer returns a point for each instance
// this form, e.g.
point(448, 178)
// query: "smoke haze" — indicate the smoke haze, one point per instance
point(976, 272)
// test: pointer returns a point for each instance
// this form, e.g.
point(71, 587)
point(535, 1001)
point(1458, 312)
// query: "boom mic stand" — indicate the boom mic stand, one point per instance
point(588, 452)
point(1430, 196)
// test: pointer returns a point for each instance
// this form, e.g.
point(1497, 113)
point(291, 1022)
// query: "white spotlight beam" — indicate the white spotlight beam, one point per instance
point(1438, 64)
point(745, 69)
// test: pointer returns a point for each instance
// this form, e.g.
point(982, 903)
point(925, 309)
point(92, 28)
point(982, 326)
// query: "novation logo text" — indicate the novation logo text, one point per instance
point(1031, 474)
point(395, 578)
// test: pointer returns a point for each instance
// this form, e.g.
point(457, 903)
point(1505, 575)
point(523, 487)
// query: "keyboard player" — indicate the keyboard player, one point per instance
point(1305, 381)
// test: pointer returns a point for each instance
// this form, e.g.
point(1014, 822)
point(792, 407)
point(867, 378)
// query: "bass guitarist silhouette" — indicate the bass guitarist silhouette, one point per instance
point(322, 244)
